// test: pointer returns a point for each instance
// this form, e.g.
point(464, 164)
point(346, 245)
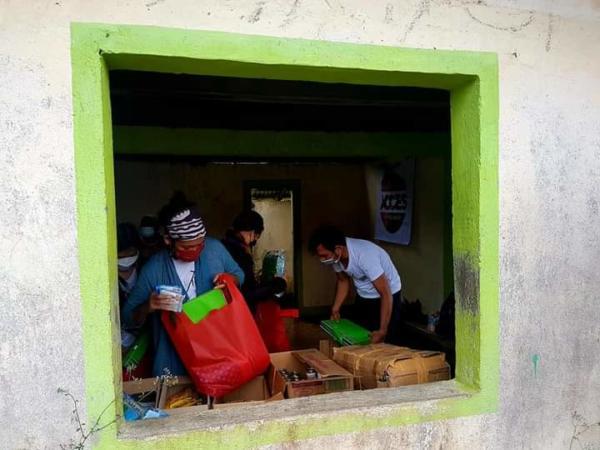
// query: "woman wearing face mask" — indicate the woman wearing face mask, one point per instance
point(239, 240)
point(262, 298)
point(128, 257)
point(151, 241)
point(128, 261)
point(191, 262)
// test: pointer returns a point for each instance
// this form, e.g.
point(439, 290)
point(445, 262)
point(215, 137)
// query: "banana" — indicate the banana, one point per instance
point(188, 401)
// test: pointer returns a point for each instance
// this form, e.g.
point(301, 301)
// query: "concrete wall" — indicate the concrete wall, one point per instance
point(549, 200)
point(329, 194)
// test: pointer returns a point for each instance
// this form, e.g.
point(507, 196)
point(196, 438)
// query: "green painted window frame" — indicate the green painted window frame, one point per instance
point(471, 78)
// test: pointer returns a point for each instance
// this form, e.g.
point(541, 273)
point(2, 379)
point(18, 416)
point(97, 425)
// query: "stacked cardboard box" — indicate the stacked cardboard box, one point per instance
point(398, 366)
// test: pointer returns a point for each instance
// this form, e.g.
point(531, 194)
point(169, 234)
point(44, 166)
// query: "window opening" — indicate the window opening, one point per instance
point(332, 189)
point(472, 79)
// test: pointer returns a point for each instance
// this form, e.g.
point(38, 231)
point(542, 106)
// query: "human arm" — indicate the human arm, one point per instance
point(137, 306)
point(342, 289)
point(275, 287)
point(383, 288)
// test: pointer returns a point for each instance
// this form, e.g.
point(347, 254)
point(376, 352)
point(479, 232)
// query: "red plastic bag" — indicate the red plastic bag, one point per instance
point(224, 350)
point(271, 326)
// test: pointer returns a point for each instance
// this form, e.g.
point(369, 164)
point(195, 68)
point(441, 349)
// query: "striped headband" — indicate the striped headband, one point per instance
point(186, 225)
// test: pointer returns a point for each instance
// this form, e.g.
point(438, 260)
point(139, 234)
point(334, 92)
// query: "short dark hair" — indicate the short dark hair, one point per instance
point(149, 221)
point(328, 236)
point(249, 220)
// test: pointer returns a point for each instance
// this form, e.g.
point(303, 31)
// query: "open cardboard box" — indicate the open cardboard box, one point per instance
point(149, 386)
point(159, 389)
point(255, 391)
point(333, 378)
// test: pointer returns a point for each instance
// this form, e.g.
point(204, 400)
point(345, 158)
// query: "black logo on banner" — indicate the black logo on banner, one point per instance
point(394, 199)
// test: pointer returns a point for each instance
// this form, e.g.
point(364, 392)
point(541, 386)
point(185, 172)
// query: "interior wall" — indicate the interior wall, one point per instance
point(421, 263)
point(334, 194)
point(278, 235)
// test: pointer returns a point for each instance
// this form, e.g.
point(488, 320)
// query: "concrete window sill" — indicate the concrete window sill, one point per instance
point(370, 402)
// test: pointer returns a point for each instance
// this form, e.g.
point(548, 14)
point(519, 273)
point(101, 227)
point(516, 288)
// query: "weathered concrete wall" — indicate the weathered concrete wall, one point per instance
point(549, 200)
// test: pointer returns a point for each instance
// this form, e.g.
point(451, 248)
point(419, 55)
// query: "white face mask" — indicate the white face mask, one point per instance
point(127, 262)
point(331, 261)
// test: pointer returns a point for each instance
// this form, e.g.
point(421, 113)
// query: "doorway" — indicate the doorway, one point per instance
point(277, 201)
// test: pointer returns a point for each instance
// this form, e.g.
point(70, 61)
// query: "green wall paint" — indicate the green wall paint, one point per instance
point(271, 144)
point(473, 81)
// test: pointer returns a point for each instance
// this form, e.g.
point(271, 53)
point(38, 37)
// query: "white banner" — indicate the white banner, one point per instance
point(393, 221)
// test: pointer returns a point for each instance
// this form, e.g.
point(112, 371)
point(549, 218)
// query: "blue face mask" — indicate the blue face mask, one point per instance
point(147, 232)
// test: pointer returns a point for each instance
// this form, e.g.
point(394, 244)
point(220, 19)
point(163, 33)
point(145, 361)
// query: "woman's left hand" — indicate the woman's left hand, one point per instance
point(218, 281)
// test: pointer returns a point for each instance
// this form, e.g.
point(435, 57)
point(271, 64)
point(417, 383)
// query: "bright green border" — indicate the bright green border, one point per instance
point(472, 79)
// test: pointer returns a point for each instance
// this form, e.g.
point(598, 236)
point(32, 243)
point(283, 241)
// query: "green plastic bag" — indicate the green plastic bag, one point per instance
point(199, 307)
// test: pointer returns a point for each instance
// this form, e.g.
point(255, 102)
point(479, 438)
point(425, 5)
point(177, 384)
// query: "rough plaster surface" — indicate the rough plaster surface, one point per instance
point(549, 200)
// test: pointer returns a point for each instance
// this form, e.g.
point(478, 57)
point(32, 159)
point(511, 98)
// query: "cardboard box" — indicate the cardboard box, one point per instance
point(404, 366)
point(172, 386)
point(162, 390)
point(158, 389)
point(423, 367)
point(141, 386)
point(333, 378)
point(149, 388)
point(326, 347)
point(255, 390)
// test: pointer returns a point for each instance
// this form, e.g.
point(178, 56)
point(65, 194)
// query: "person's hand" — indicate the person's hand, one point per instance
point(279, 286)
point(160, 301)
point(378, 336)
point(218, 282)
point(335, 314)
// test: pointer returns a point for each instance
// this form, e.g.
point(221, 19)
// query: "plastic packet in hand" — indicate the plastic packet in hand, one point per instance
point(176, 295)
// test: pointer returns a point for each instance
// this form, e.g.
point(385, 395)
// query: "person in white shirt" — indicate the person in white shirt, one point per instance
point(376, 280)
